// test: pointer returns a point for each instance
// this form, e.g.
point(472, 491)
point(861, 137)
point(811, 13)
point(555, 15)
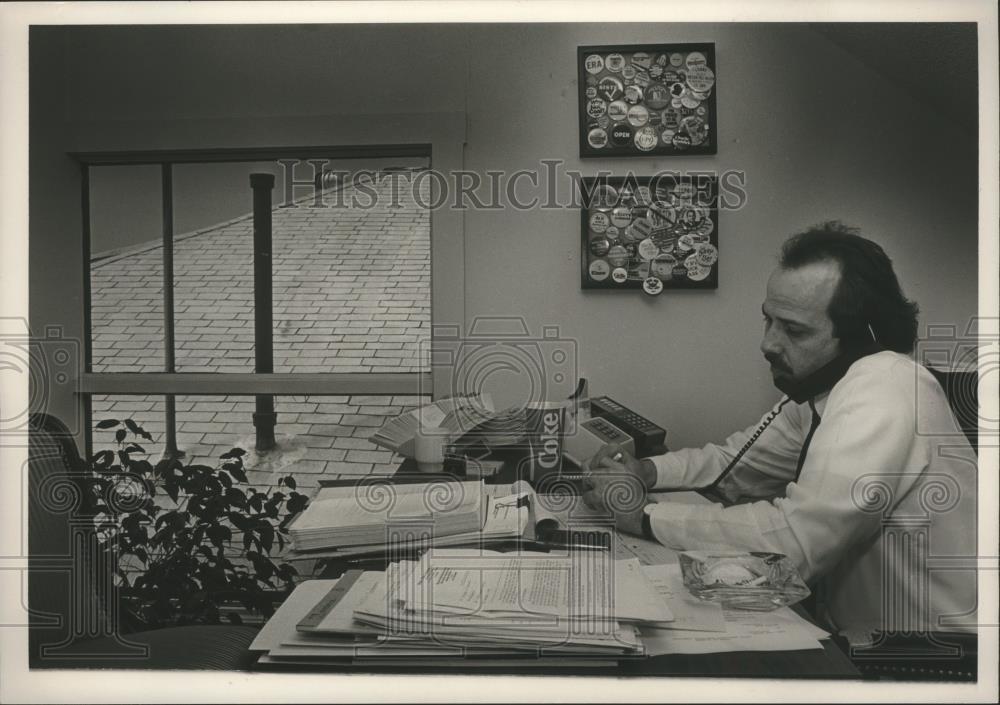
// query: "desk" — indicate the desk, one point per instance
point(830, 662)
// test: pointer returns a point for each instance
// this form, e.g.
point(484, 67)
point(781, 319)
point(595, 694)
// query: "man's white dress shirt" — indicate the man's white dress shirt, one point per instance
point(882, 519)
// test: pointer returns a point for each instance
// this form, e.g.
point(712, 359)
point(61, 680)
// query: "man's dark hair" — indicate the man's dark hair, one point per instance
point(868, 292)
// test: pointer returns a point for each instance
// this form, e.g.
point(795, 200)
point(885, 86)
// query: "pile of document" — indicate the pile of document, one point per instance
point(467, 422)
point(453, 416)
point(468, 604)
point(361, 518)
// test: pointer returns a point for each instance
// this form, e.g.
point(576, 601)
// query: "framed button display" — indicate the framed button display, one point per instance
point(647, 100)
point(650, 233)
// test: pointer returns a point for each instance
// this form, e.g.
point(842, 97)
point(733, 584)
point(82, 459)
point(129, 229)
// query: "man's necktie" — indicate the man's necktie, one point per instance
point(805, 444)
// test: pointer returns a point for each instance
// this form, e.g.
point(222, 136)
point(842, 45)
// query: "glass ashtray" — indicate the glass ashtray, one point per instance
point(742, 580)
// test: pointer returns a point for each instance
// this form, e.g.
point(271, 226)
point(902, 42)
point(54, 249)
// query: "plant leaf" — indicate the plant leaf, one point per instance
point(290, 481)
point(132, 426)
point(120, 435)
point(108, 423)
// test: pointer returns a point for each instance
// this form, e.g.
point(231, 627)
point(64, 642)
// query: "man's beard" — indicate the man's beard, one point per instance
point(782, 377)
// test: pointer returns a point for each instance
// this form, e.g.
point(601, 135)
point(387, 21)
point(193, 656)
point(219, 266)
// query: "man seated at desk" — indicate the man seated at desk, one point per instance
point(860, 484)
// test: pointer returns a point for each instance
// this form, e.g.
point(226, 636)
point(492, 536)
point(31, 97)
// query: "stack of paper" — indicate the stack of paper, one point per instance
point(470, 605)
point(705, 627)
point(453, 417)
point(354, 516)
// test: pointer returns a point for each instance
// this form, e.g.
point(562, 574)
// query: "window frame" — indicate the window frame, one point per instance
point(172, 383)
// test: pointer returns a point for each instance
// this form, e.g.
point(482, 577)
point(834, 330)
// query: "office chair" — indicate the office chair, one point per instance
point(962, 391)
point(75, 619)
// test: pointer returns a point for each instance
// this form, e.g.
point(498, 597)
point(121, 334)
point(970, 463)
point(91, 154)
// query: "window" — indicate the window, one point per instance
point(172, 308)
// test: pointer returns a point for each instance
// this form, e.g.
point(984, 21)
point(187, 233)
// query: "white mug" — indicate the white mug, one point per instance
point(429, 449)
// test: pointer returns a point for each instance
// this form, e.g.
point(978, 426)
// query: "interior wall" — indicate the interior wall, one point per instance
point(818, 135)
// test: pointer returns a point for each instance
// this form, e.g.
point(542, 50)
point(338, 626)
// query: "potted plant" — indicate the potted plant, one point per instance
point(190, 543)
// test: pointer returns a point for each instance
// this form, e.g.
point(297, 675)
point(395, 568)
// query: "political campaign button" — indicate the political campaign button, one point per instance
point(672, 77)
point(675, 103)
point(679, 271)
point(689, 101)
point(621, 216)
point(705, 227)
point(592, 81)
point(628, 73)
point(633, 94)
point(594, 64)
point(652, 286)
point(618, 110)
point(619, 275)
point(614, 63)
point(657, 96)
point(700, 78)
point(684, 192)
point(707, 253)
point(610, 88)
point(599, 246)
point(626, 236)
point(688, 217)
point(590, 92)
point(638, 115)
point(681, 141)
point(618, 256)
point(656, 72)
point(642, 270)
point(639, 229)
point(613, 232)
point(700, 95)
point(700, 111)
point(603, 122)
point(698, 272)
point(685, 244)
point(643, 196)
point(676, 59)
point(599, 221)
point(695, 128)
point(646, 138)
point(663, 210)
point(597, 138)
point(648, 249)
point(642, 60)
point(642, 77)
point(621, 135)
point(596, 107)
point(667, 136)
point(625, 193)
point(696, 60)
point(677, 89)
point(671, 119)
point(603, 197)
point(599, 270)
point(662, 266)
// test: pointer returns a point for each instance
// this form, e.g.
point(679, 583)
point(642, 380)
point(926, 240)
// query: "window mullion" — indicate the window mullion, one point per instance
point(167, 208)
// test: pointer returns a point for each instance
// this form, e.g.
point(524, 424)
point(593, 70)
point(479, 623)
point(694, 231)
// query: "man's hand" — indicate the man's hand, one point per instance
point(615, 459)
point(617, 482)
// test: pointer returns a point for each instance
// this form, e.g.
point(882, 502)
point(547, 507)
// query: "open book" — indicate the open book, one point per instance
point(504, 513)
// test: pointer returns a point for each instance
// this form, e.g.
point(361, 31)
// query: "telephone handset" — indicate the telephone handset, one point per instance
point(823, 379)
point(814, 384)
